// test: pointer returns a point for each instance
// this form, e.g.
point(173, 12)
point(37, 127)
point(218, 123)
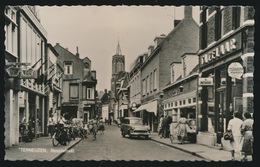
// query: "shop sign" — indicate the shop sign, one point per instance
point(13, 72)
point(205, 81)
point(235, 70)
point(223, 49)
point(28, 74)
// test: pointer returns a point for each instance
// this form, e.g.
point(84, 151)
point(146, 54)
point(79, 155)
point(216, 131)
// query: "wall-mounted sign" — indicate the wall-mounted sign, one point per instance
point(235, 70)
point(13, 72)
point(205, 81)
point(28, 74)
point(224, 48)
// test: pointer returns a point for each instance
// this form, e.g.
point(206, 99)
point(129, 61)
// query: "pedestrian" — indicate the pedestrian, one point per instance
point(164, 126)
point(182, 128)
point(172, 127)
point(247, 132)
point(160, 125)
point(51, 125)
point(234, 125)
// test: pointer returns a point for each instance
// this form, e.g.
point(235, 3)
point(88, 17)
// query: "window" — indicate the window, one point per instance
point(147, 85)
point(151, 82)
point(74, 91)
point(155, 79)
point(144, 91)
point(68, 70)
point(90, 93)
point(235, 17)
point(184, 101)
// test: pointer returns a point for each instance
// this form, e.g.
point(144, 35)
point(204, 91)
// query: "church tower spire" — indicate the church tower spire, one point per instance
point(118, 49)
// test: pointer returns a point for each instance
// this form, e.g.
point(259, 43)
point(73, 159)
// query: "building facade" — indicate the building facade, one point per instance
point(79, 85)
point(135, 84)
point(226, 58)
point(26, 67)
point(155, 73)
point(55, 73)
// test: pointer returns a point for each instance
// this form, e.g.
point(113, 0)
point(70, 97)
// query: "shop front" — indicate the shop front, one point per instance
point(224, 86)
point(148, 112)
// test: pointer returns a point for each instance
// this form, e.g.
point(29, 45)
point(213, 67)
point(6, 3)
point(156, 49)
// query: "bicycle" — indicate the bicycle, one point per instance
point(61, 136)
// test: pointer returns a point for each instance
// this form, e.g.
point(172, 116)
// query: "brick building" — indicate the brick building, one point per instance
point(180, 95)
point(155, 73)
point(79, 85)
point(226, 58)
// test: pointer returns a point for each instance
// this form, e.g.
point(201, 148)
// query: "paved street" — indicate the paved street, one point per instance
point(112, 146)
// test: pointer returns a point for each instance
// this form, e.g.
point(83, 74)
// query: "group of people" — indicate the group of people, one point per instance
point(242, 132)
point(164, 126)
point(94, 124)
point(167, 128)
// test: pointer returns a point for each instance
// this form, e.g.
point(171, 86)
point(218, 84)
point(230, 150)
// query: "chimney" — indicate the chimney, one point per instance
point(77, 54)
point(187, 12)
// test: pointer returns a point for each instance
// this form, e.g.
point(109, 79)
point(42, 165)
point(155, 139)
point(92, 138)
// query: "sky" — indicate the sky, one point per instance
point(96, 31)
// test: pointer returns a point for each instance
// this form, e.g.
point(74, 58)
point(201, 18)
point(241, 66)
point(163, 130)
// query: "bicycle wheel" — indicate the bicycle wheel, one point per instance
point(55, 139)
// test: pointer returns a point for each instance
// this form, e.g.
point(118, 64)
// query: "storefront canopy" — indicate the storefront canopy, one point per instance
point(149, 107)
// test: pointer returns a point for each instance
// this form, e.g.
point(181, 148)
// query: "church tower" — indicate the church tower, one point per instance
point(118, 67)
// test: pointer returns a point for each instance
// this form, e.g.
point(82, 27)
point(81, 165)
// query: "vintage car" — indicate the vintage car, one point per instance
point(133, 126)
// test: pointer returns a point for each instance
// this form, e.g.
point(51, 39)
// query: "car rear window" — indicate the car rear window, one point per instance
point(136, 121)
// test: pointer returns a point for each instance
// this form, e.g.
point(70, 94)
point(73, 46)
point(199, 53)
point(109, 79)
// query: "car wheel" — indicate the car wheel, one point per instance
point(146, 137)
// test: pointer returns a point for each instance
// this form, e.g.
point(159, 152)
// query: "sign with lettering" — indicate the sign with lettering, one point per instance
point(28, 74)
point(13, 72)
point(224, 48)
point(235, 70)
point(205, 81)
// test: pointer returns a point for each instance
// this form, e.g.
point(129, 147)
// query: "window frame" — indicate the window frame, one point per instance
point(66, 69)
point(73, 98)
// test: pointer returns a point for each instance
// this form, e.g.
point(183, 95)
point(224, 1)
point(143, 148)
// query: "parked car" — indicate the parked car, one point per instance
point(133, 126)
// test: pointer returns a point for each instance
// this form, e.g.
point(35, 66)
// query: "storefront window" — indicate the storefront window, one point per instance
point(210, 104)
point(236, 97)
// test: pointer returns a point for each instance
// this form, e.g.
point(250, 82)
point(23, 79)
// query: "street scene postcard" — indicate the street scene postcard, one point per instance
point(129, 83)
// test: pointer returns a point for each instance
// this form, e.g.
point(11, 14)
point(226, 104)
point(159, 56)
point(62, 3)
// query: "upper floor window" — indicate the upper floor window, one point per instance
point(74, 91)
point(88, 93)
point(155, 79)
point(68, 68)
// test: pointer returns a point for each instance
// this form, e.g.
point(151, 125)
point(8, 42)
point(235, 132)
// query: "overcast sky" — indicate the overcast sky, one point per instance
point(97, 30)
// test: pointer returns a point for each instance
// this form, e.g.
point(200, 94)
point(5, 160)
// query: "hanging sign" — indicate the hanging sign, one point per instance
point(13, 72)
point(235, 70)
point(28, 74)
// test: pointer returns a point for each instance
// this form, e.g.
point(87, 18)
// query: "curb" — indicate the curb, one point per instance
point(184, 150)
point(62, 153)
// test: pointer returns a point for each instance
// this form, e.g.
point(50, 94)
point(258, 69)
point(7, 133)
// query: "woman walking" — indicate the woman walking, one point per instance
point(234, 125)
point(183, 129)
point(247, 132)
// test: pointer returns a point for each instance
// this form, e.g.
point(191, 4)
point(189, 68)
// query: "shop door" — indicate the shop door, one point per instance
point(221, 109)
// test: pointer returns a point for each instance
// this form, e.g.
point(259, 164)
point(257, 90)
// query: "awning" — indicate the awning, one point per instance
point(149, 107)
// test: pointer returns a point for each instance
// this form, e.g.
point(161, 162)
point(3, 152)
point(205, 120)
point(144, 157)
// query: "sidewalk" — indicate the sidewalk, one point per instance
point(209, 153)
point(39, 149)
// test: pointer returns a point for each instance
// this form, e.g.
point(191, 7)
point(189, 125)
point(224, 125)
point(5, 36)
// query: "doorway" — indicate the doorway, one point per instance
point(221, 114)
